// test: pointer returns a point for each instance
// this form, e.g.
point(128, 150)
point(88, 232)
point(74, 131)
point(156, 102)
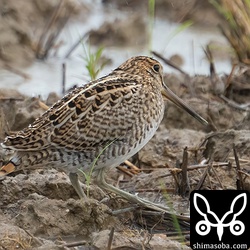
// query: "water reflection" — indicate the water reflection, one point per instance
point(46, 76)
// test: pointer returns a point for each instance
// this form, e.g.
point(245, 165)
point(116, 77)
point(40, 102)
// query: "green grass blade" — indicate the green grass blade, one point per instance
point(151, 14)
point(88, 175)
point(180, 29)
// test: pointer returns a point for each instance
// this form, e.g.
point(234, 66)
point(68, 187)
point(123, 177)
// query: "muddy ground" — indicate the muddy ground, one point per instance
point(39, 208)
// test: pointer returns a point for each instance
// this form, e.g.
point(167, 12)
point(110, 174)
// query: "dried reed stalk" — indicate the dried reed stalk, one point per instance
point(237, 28)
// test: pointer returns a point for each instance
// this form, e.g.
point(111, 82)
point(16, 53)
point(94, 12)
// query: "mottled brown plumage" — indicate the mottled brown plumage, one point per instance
point(122, 110)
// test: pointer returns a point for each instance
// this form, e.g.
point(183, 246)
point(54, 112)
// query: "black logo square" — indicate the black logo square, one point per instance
point(219, 219)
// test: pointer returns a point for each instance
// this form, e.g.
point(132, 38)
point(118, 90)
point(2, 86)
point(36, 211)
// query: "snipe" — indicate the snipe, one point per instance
point(119, 112)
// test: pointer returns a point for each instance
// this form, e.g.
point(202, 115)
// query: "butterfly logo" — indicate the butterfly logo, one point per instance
point(203, 227)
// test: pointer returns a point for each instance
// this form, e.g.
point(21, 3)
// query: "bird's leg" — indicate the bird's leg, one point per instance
point(76, 184)
point(130, 197)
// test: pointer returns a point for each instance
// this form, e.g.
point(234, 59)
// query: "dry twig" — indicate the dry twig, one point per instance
point(16, 71)
point(184, 184)
point(240, 182)
point(52, 30)
point(205, 174)
point(63, 77)
point(233, 104)
point(67, 55)
point(168, 62)
point(111, 236)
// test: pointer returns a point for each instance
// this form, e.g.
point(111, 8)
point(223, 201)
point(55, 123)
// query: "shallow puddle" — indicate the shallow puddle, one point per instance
point(46, 76)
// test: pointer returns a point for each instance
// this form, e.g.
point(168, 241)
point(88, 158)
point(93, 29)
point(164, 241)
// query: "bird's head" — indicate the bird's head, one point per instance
point(152, 71)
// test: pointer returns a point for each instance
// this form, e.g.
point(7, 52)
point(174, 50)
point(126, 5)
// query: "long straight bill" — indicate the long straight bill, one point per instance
point(181, 104)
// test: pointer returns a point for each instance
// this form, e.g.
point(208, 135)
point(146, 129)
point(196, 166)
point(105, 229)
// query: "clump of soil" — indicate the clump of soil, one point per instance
point(19, 24)
point(121, 32)
point(200, 12)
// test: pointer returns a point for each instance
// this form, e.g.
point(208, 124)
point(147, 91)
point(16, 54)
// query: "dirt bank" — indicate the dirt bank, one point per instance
point(39, 208)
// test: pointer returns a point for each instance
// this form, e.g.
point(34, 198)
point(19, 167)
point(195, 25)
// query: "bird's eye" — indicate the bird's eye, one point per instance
point(156, 67)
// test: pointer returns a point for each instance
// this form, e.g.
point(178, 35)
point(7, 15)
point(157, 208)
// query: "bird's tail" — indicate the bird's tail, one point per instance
point(7, 169)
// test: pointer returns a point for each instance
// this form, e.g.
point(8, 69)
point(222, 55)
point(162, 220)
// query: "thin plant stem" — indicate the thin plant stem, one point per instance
point(88, 175)
point(151, 13)
point(174, 217)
